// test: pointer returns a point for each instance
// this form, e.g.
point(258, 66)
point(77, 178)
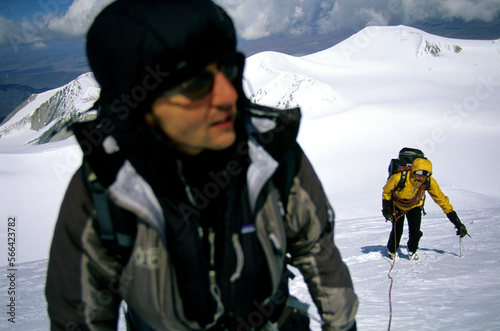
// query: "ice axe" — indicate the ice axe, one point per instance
point(461, 244)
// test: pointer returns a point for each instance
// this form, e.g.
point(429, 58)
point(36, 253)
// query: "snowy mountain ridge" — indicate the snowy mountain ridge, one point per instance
point(42, 117)
point(285, 81)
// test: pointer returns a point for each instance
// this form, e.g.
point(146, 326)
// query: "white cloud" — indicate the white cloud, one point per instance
point(261, 18)
point(372, 17)
point(484, 10)
point(15, 33)
point(50, 21)
point(39, 45)
point(6, 26)
point(258, 18)
point(77, 19)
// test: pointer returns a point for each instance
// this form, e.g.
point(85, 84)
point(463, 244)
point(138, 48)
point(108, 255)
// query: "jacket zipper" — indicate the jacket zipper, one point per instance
point(212, 273)
point(212, 276)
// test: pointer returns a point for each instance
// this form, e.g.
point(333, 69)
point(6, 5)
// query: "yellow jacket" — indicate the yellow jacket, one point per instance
point(412, 186)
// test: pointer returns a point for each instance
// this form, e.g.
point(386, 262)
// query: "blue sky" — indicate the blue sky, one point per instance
point(16, 9)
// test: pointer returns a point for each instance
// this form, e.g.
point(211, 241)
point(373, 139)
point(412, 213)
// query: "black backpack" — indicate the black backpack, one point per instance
point(403, 164)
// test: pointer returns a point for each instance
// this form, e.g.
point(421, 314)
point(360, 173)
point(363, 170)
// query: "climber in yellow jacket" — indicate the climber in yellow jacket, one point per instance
point(409, 201)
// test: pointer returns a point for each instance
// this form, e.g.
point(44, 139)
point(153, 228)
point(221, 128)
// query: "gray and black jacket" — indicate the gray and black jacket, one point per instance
point(274, 197)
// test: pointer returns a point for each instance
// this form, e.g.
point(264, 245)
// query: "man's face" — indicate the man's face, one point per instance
point(421, 175)
point(205, 123)
point(420, 178)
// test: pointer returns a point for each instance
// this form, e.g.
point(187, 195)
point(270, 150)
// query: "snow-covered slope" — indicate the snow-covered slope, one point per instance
point(385, 88)
point(362, 100)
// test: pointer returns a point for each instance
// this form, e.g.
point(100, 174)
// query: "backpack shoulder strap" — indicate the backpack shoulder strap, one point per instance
point(286, 172)
point(116, 226)
point(402, 180)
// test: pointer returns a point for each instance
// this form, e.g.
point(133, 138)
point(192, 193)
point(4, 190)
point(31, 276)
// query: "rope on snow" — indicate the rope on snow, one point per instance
point(392, 266)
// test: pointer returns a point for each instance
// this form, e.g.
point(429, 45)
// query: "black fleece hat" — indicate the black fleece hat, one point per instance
point(137, 48)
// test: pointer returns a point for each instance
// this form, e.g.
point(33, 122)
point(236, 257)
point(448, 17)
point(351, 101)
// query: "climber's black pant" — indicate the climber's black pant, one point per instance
point(414, 218)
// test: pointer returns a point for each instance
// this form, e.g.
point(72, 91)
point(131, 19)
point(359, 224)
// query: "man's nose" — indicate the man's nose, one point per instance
point(223, 92)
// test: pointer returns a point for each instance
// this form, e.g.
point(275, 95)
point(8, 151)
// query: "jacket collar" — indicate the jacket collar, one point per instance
point(271, 134)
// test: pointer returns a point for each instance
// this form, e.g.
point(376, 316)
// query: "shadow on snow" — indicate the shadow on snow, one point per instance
point(403, 250)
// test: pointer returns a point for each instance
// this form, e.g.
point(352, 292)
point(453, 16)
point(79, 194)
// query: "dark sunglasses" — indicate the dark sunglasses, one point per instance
point(422, 173)
point(201, 84)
